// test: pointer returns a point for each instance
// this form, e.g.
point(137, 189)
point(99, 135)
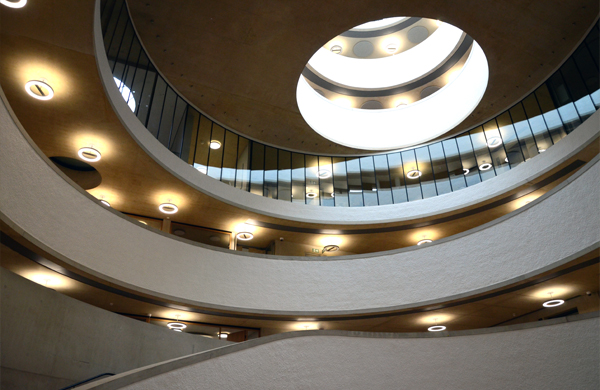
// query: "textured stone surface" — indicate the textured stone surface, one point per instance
point(539, 236)
point(563, 356)
point(50, 341)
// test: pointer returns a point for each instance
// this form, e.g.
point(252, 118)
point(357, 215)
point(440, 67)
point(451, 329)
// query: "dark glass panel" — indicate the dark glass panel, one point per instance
point(368, 181)
point(496, 146)
point(577, 90)
point(382, 175)
point(550, 113)
point(469, 163)
point(560, 96)
point(147, 93)
point(312, 180)
point(167, 117)
point(298, 178)
point(270, 173)
point(521, 125)
point(192, 121)
point(482, 153)
point(340, 182)
point(215, 153)
point(413, 187)
point(202, 148)
point(242, 175)
point(589, 72)
point(514, 156)
point(455, 166)
point(257, 167)
point(176, 136)
point(229, 158)
point(424, 165)
point(537, 122)
point(326, 182)
point(440, 170)
point(354, 182)
point(156, 109)
point(397, 176)
point(284, 177)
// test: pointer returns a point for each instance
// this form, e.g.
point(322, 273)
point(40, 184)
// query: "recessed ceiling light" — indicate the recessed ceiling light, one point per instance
point(466, 171)
point(494, 142)
point(244, 236)
point(214, 144)
point(39, 89)
point(542, 150)
point(311, 195)
point(89, 154)
point(14, 4)
point(391, 48)
point(336, 49)
point(177, 330)
point(105, 202)
point(324, 174)
point(485, 166)
point(331, 248)
point(425, 241)
point(436, 328)
point(168, 208)
point(143, 222)
point(553, 303)
point(414, 174)
point(176, 325)
point(223, 336)
point(506, 159)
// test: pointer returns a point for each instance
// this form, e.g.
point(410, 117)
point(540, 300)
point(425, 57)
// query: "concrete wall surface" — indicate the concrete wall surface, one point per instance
point(556, 228)
point(50, 341)
point(547, 355)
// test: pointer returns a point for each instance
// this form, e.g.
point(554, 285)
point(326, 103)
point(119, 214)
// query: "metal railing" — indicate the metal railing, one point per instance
point(525, 130)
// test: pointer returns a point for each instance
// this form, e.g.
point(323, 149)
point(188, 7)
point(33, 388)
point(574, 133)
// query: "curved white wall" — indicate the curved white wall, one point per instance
point(559, 356)
point(524, 173)
point(40, 203)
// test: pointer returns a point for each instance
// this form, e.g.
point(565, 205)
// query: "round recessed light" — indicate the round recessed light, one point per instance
point(105, 202)
point(485, 167)
point(89, 154)
point(214, 144)
point(244, 236)
point(425, 241)
point(466, 171)
point(14, 4)
point(176, 325)
point(494, 142)
point(223, 336)
point(542, 150)
point(142, 222)
point(414, 174)
point(168, 208)
point(506, 159)
point(177, 330)
point(336, 49)
point(391, 48)
point(324, 174)
point(311, 195)
point(39, 89)
point(331, 248)
point(436, 328)
point(553, 303)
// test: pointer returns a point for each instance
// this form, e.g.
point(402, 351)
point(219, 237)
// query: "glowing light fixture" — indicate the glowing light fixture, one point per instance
point(466, 171)
point(391, 48)
point(494, 142)
point(143, 222)
point(336, 49)
point(542, 150)
point(436, 328)
point(14, 4)
point(311, 195)
point(553, 302)
point(39, 89)
point(168, 208)
point(89, 154)
point(177, 330)
point(223, 336)
point(176, 325)
point(414, 174)
point(105, 202)
point(330, 248)
point(485, 167)
point(424, 241)
point(244, 236)
point(214, 144)
point(324, 174)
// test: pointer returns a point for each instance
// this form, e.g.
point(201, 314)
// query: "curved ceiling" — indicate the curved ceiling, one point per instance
point(239, 61)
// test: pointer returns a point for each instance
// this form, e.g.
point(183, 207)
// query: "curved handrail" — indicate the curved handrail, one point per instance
point(528, 128)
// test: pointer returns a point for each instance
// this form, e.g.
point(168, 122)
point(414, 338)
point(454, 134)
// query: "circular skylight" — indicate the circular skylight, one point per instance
point(403, 92)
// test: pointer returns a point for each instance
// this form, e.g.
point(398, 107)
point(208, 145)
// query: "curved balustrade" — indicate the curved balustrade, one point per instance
point(528, 128)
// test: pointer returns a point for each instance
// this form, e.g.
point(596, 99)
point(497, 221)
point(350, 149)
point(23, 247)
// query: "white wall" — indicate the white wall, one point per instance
point(41, 204)
point(50, 341)
point(539, 356)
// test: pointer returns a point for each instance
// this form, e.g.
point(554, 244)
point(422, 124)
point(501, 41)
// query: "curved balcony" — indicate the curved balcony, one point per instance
point(520, 133)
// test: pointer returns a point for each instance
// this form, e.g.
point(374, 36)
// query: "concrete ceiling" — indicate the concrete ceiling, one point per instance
point(239, 60)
